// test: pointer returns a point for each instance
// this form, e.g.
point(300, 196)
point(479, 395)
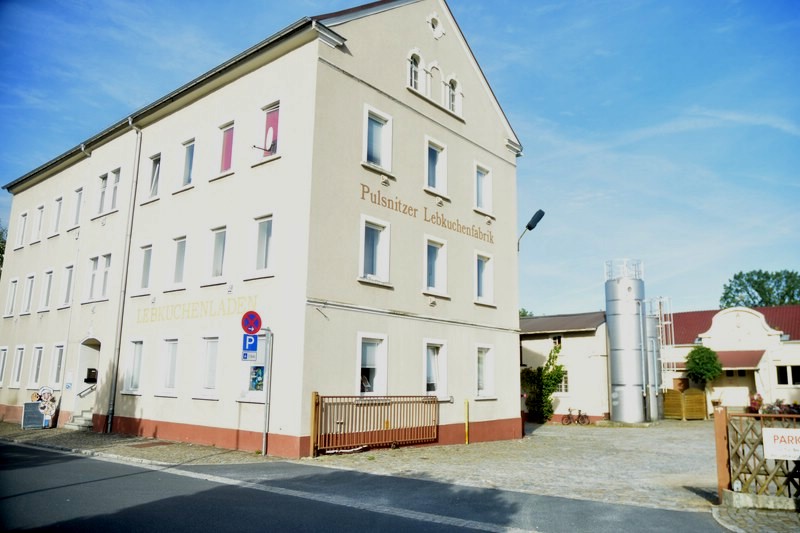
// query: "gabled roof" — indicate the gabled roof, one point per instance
point(689, 325)
point(562, 323)
point(346, 15)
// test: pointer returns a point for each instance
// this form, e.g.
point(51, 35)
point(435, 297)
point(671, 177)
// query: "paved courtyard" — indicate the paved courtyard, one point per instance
point(670, 465)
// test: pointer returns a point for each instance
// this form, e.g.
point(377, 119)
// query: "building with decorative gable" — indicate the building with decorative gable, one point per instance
point(352, 179)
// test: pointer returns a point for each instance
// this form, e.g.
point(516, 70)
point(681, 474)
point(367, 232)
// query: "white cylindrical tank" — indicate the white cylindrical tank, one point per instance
point(625, 321)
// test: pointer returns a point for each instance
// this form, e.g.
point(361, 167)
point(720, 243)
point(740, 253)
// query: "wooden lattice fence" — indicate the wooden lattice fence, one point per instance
point(741, 464)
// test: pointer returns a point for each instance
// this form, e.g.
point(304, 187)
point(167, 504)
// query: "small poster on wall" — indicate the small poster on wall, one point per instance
point(256, 378)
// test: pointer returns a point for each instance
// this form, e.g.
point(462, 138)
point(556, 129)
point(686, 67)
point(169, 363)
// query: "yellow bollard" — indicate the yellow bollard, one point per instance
point(466, 421)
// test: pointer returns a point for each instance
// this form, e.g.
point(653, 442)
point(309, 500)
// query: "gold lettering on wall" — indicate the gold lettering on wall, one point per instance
point(233, 306)
point(437, 218)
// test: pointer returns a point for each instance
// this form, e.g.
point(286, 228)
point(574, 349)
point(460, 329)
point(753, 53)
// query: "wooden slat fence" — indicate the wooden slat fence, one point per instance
point(351, 422)
point(688, 405)
point(746, 470)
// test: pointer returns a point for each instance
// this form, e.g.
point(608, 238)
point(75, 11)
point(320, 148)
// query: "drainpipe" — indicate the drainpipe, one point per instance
point(123, 289)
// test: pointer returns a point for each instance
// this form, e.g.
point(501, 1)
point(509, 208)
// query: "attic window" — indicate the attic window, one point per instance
point(435, 25)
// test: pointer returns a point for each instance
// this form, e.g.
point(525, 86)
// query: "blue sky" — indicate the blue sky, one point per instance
point(661, 130)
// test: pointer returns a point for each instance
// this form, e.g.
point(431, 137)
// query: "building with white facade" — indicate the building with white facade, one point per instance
point(350, 178)
point(583, 338)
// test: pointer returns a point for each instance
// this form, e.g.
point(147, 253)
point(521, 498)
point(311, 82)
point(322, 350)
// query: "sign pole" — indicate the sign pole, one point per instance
point(268, 389)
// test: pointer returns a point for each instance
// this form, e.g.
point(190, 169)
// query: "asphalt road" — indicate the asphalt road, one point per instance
point(51, 491)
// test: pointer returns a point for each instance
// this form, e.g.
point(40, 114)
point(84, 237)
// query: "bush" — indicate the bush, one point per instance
point(702, 365)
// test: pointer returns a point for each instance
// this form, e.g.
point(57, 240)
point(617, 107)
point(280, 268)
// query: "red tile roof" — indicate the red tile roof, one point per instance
point(689, 325)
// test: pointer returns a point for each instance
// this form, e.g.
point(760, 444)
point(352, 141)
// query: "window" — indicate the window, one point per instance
point(180, 259)
point(47, 288)
point(170, 364)
point(67, 294)
point(556, 340)
point(103, 186)
point(23, 222)
point(78, 199)
point(133, 373)
point(114, 189)
point(12, 295)
point(484, 275)
point(453, 102)
point(483, 189)
point(485, 371)
point(437, 166)
point(36, 367)
point(227, 148)
point(271, 131)
point(16, 371)
point(378, 139)
point(209, 376)
point(788, 375)
point(57, 204)
point(188, 162)
point(3, 357)
point(58, 365)
point(98, 277)
point(374, 258)
point(147, 256)
point(435, 368)
point(218, 258)
point(262, 245)
point(38, 223)
point(435, 266)
point(413, 72)
point(563, 387)
point(155, 174)
point(27, 295)
point(372, 364)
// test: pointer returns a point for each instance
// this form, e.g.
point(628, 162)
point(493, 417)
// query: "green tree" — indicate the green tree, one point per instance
point(702, 365)
point(539, 384)
point(524, 313)
point(759, 288)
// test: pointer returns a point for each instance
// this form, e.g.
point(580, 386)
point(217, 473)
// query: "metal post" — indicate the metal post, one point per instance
point(268, 389)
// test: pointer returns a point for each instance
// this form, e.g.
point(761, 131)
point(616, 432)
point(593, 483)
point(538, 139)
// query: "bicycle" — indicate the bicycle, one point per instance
point(581, 418)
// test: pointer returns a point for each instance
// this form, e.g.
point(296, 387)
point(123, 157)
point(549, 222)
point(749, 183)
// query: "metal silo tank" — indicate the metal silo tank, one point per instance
point(625, 321)
point(654, 397)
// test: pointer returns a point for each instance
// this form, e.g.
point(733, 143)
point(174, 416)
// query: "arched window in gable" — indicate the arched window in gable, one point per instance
point(413, 72)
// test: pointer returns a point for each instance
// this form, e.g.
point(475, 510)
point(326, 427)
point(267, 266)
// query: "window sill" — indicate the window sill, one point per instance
point(437, 193)
point(378, 170)
point(174, 289)
point(205, 397)
point(435, 294)
point(63, 306)
point(56, 234)
point(150, 201)
point(224, 174)
point(25, 313)
point(255, 276)
point(484, 213)
point(267, 159)
point(14, 386)
point(19, 247)
point(101, 215)
point(488, 305)
point(435, 104)
point(165, 395)
point(37, 241)
point(98, 300)
point(187, 187)
point(73, 228)
point(8, 316)
point(376, 283)
point(131, 393)
point(213, 283)
point(485, 398)
point(46, 310)
point(139, 294)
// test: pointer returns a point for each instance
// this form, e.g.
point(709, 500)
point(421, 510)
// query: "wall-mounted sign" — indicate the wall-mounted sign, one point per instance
point(251, 322)
point(781, 443)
